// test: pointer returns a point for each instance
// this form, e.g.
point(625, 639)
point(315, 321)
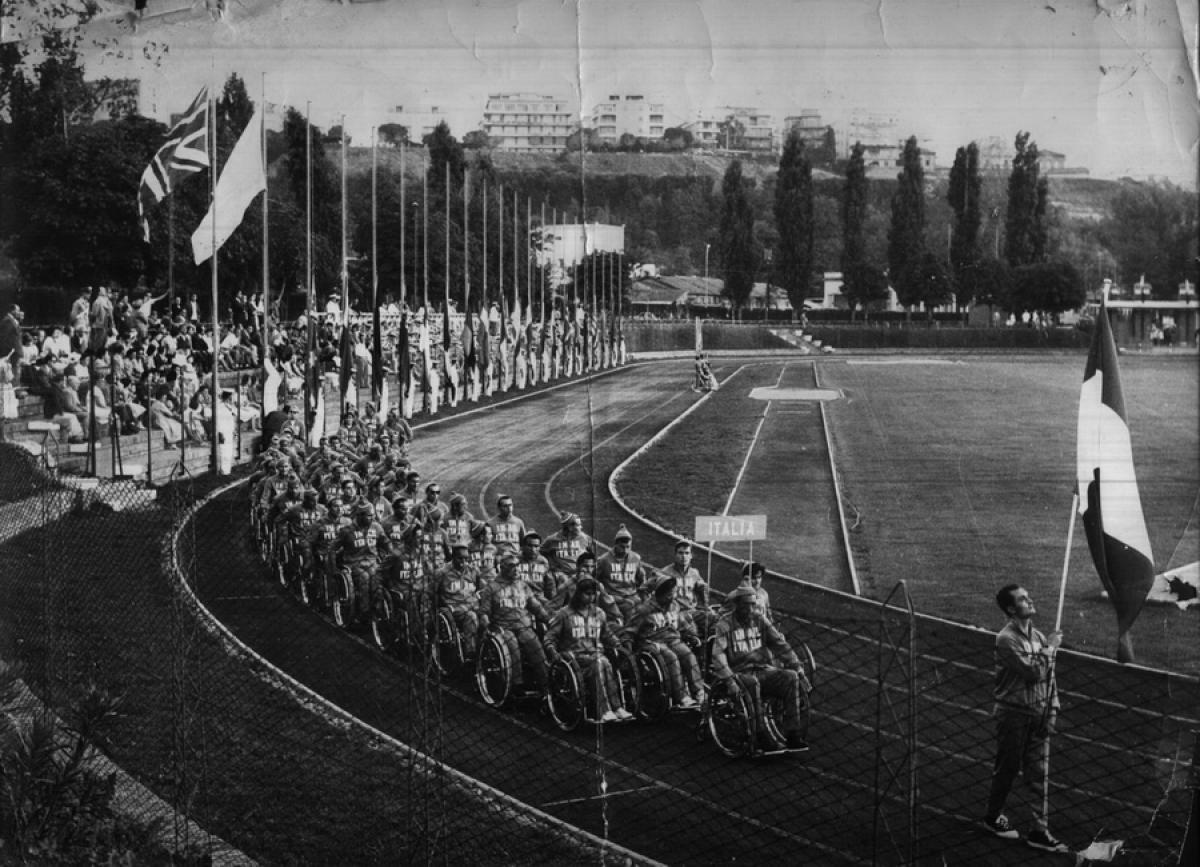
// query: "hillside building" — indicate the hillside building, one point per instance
point(808, 124)
point(626, 114)
point(737, 128)
point(528, 123)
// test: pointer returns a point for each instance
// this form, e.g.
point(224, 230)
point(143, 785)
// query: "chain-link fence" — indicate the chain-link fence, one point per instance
point(252, 720)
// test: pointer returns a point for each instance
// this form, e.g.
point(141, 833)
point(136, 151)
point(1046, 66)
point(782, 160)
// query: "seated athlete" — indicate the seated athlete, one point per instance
point(509, 604)
point(579, 631)
point(662, 627)
point(744, 653)
point(455, 587)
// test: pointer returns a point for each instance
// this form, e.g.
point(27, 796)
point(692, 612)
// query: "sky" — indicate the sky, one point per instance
point(1112, 85)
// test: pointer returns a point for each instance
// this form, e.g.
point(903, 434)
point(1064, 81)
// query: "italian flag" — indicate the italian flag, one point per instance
point(1108, 494)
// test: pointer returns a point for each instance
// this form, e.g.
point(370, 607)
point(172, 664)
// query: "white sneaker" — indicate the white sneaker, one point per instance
point(608, 717)
point(623, 714)
point(688, 702)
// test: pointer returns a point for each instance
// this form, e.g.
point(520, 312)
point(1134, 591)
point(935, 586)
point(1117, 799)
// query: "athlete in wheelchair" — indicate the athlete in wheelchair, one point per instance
point(510, 654)
point(295, 560)
point(584, 684)
point(359, 546)
point(755, 706)
point(664, 642)
point(454, 599)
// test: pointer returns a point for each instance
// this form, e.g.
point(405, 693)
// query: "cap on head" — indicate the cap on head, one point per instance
point(570, 518)
point(664, 585)
point(739, 593)
point(457, 498)
point(623, 535)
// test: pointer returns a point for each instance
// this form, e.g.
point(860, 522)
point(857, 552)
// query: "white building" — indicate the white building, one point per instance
point(627, 114)
point(419, 120)
point(731, 127)
point(528, 123)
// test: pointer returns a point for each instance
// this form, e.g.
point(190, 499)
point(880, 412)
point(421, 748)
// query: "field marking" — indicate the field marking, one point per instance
point(837, 491)
point(863, 362)
point(599, 797)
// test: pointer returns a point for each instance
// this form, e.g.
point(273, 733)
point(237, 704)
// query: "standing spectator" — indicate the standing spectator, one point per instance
point(100, 321)
point(1026, 707)
point(81, 310)
point(10, 340)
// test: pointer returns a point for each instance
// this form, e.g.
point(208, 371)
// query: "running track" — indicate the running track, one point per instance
point(668, 796)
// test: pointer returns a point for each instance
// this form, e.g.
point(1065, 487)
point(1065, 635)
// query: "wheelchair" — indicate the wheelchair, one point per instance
point(735, 727)
point(571, 700)
point(652, 689)
point(337, 591)
point(495, 670)
point(447, 647)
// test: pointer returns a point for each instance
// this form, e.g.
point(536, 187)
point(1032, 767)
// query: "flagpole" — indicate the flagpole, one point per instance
point(212, 193)
point(1053, 687)
point(345, 271)
point(310, 399)
point(377, 350)
point(403, 234)
point(266, 268)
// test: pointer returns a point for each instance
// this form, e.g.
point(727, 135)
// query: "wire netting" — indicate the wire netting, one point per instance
point(250, 722)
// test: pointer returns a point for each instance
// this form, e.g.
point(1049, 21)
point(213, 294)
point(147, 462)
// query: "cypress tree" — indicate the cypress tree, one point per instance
point(739, 260)
point(794, 220)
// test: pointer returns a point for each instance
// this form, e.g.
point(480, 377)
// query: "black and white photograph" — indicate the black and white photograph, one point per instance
point(570, 432)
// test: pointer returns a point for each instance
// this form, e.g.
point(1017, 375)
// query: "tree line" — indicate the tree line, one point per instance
point(1045, 263)
point(68, 215)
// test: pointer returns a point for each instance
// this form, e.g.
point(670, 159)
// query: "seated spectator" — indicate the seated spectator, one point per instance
point(164, 416)
point(57, 345)
point(67, 409)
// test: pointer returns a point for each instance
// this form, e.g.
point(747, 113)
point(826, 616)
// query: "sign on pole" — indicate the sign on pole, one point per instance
point(731, 528)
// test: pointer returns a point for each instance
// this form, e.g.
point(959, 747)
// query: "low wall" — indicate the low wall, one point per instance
point(679, 336)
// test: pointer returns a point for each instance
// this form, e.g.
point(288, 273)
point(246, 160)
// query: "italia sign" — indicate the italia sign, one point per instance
point(731, 528)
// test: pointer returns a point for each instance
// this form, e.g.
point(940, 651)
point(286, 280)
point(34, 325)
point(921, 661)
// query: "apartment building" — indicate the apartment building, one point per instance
point(528, 123)
point(808, 124)
point(626, 114)
point(739, 128)
point(419, 120)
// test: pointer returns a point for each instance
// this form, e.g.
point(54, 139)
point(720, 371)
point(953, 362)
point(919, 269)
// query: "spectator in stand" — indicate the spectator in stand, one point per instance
point(68, 409)
point(100, 321)
point(165, 416)
point(81, 309)
point(57, 345)
point(10, 340)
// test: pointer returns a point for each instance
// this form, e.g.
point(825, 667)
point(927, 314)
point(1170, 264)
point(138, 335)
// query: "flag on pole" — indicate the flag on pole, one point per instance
point(403, 365)
point(346, 365)
point(377, 379)
point(243, 178)
point(184, 152)
point(1108, 492)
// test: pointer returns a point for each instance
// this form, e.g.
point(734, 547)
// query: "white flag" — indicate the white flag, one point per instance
point(243, 178)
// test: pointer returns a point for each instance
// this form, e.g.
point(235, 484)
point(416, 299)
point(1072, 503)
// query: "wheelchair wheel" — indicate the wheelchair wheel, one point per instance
point(447, 647)
point(382, 627)
point(655, 698)
point(341, 606)
point(266, 544)
point(494, 671)
point(808, 663)
point(283, 564)
point(565, 695)
point(773, 724)
point(625, 667)
point(304, 591)
point(731, 723)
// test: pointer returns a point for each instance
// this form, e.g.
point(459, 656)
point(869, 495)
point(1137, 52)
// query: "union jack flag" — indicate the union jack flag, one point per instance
point(184, 152)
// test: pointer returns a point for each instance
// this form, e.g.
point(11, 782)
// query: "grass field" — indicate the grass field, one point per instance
point(957, 476)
